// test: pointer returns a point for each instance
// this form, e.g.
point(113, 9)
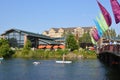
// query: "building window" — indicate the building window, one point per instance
point(15, 39)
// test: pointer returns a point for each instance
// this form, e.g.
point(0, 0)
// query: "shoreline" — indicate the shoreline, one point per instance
point(56, 55)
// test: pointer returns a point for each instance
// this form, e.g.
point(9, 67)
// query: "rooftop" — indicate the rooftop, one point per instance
point(27, 33)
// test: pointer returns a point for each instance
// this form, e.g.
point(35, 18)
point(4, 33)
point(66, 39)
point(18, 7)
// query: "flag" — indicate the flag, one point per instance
point(94, 34)
point(100, 32)
point(105, 14)
point(93, 41)
point(116, 10)
point(101, 24)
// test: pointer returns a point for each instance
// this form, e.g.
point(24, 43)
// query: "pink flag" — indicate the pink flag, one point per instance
point(95, 35)
point(116, 10)
point(105, 14)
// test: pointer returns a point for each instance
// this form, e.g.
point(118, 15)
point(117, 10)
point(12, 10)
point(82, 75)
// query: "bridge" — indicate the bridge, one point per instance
point(109, 53)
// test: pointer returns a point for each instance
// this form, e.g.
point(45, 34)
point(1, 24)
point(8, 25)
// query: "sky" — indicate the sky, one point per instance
point(41, 15)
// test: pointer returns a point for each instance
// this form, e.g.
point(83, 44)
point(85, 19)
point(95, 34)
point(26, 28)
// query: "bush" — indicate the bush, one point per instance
point(5, 50)
point(43, 54)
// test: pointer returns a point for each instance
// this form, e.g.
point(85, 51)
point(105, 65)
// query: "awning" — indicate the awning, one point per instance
point(48, 46)
point(62, 46)
point(55, 47)
point(41, 46)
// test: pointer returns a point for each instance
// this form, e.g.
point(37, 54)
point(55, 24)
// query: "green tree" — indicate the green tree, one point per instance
point(85, 38)
point(27, 47)
point(71, 43)
point(5, 49)
point(110, 33)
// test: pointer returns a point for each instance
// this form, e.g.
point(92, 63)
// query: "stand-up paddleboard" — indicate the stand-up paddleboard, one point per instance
point(63, 61)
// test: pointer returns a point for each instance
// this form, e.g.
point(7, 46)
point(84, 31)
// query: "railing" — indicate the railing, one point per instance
point(115, 48)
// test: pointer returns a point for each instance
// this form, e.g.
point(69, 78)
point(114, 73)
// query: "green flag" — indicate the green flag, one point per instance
point(103, 22)
point(93, 41)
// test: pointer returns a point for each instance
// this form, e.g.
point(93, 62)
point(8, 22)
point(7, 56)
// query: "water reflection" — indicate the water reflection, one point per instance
point(112, 74)
point(21, 69)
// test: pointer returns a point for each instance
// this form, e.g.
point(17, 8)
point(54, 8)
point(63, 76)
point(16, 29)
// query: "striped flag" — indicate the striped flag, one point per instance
point(116, 10)
point(105, 14)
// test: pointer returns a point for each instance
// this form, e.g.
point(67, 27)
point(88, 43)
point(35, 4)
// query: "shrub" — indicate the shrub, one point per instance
point(5, 49)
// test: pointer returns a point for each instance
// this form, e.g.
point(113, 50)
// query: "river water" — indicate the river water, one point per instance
point(84, 69)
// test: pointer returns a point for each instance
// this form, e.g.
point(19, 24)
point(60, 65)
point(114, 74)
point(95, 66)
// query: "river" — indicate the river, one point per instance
point(83, 69)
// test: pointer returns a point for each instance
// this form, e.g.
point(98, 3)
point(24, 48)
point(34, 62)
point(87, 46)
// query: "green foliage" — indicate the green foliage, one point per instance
point(3, 41)
point(85, 53)
point(71, 43)
point(41, 54)
point(25, 52)
point(110, 34)
point(85, 38)
point(27, 45)
point(5, 50)
point(27, 48)
point(58, 54)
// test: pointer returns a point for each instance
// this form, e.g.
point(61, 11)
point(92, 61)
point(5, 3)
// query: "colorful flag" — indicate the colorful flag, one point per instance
point(116, 10)
point(100, 32)
point(101, 24)
point(102, 19)
point(93, 41)
point(105, 14)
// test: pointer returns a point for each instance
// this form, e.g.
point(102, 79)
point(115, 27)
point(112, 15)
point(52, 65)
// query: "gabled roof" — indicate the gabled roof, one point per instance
point(27, 33)
point(56, 29)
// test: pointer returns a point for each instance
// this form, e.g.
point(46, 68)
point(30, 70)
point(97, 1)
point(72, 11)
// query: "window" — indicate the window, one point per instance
point(16, 36)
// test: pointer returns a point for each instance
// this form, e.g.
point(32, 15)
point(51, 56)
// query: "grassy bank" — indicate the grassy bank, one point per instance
point(42, 54)
point(54, 54)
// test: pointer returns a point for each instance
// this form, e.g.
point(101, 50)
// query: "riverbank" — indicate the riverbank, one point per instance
point(55, 54)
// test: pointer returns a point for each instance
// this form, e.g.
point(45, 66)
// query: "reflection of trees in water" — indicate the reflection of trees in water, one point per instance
point(12, 42)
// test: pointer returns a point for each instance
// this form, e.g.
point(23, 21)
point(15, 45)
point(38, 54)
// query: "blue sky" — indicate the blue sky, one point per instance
point(40, 15)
